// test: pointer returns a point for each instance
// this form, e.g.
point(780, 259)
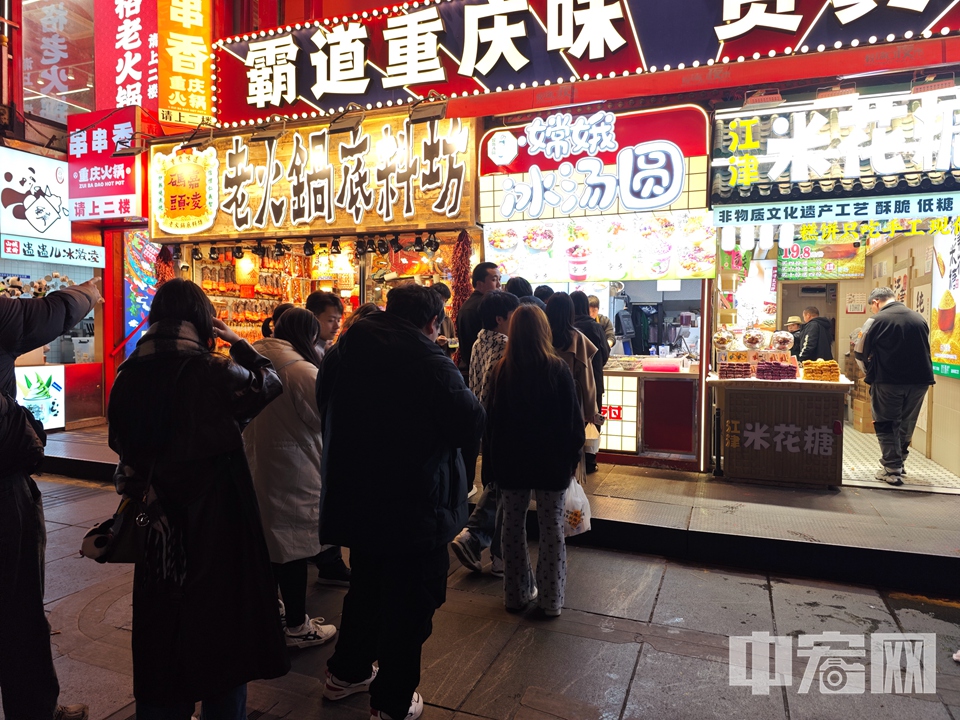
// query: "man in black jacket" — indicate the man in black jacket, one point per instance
point(395, 494)
point(895, 350)
point(28, 680)
point(815, 337)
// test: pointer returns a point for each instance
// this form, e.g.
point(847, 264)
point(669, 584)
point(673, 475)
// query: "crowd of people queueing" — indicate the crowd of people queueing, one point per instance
point(261, 465)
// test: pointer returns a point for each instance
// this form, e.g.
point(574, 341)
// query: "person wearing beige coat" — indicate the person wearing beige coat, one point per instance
point(283, 446)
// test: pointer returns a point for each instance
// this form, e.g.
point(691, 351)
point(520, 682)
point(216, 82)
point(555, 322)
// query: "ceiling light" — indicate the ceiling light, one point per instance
point(382, 248)
point(432, 243)
point(418, 243)
point(279, 250)
point(259, 250)
point(238, 252)
point(361, 247)
point(308, 248)
point(214, 253)
point(196, 254)
point(175, 252)
point(395, 244)
point(335, 246)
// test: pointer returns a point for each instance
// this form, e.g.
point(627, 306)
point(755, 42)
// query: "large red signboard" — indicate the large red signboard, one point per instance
point(127, 57)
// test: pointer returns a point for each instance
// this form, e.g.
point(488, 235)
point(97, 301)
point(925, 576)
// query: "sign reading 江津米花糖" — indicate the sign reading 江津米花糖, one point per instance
point(397, 55)
point(386, 173)
point(849, 137)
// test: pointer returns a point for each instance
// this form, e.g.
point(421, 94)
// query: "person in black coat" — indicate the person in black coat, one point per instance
point(205, 614)
point(895, 350)
point(395, 497)
point(532, 442)
point(815, 337)
point(28, 680)
point(595, 334)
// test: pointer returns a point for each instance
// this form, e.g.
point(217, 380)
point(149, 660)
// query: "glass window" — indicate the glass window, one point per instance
point(58, 45)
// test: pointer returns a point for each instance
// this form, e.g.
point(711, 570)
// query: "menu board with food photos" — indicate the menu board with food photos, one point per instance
point(944, 332)
point(644, 246)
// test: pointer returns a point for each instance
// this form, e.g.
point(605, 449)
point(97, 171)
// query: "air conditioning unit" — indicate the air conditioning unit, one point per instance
point(808, 290)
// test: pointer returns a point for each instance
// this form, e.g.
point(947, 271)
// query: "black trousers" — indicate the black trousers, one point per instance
point(28, 681)
point(387, 616)
point(292, 579)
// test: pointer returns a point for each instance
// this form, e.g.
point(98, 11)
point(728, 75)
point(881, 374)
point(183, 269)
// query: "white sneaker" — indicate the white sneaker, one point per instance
point(335, 689)
point(891, 478)
point(416, 710)
point(467, 549)
point(496, 566)
point(312, 632)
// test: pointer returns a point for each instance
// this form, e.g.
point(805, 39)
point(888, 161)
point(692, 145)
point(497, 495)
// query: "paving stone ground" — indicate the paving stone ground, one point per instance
point(640, 637)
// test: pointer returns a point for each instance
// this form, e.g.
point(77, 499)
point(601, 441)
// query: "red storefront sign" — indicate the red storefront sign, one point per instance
point(102, 186)
point(127, 57)
point(612, 412)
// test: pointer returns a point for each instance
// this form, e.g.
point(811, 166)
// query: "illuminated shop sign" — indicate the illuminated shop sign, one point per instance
point(33, 196)
point(386, 173)
point(458, 48)
point(186, 71)
point(51, 251)
point(594, 163)
point(849, 137)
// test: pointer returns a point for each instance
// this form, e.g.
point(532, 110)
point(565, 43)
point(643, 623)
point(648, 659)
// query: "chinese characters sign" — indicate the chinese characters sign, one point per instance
point(870, 210)
point(58, 50)
point(783, 435)
point(462, 47)
point(33, 196)
point(381, 175)
point(102, 186)
point(849, 137)
point(596, 163)
point(823, 253)
point(51, 251)
point(186, 84)
point(128, 58)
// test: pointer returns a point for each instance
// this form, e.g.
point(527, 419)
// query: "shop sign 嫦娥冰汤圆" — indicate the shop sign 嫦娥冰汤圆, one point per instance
point(51, 251)
point(860, 140)
point(462, 48)
point(386, 174)
point(599, 196)
point(944, 329)
point(33, 196)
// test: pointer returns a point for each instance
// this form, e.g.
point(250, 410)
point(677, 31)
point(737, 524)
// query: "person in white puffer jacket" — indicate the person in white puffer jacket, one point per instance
point(283, 447)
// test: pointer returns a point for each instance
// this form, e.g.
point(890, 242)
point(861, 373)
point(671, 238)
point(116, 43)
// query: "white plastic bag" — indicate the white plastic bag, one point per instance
point(576, 510)
point(592, 443)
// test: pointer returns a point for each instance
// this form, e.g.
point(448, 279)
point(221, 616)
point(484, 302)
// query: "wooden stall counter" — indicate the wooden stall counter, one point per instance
point(783, 432)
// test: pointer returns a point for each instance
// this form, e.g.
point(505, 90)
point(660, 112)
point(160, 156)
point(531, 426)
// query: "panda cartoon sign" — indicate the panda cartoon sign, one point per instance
point(33, 196)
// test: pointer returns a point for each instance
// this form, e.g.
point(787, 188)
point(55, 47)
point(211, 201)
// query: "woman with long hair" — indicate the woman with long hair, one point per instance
point(204, 599)
point(532, 443)
point(283, 448)
point(576, 350)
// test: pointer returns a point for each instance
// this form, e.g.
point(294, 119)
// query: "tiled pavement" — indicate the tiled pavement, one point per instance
point(640, 637)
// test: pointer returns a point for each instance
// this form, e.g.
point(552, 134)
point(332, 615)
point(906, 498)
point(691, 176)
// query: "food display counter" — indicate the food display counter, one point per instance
point(650, 412)
point(784, 432)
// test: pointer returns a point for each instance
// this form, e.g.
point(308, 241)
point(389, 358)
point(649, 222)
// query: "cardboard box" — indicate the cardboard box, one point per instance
point(863, 424)
point(861, 407)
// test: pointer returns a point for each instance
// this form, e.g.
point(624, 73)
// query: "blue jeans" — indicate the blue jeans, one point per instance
point(28, 681)
point(232, 705)
point(486, 520)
